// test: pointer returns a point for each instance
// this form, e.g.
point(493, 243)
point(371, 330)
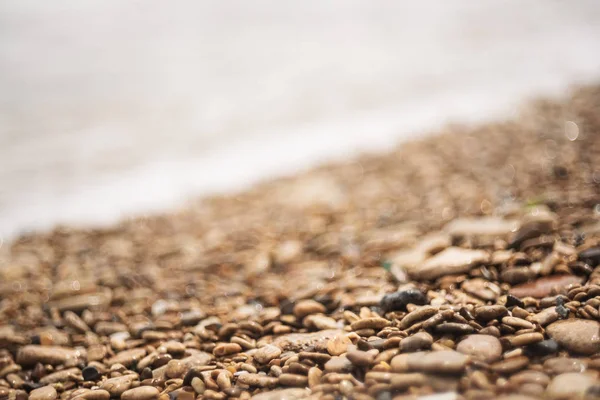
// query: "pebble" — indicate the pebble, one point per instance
point(576, 335)
point(141, 393)
point(198, 385)
point(293, 380)
point(484, 348)
point(314, 376)
point(258, 380)
point(569, 386)
point(267, 353)
point(90, 373)
point(416, 342)
point(53, 355)
point(43, 393)
point(361, 358)
point(543, 348)
point(526, 339)
point(338, 364)
point(543, 287)
point(370, 323)
point(116, 386)
point(96, 394)
point(440, 362)
point(417, 315)
point(307, 307)
point(488, 313)
point(320, 322)
point(225, 349)
point(398, 301)
point(510, 365)
point(545, 317)
point(451, 261)
point(561, 365)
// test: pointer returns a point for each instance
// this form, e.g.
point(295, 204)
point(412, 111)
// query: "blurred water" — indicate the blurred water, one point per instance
point(111, 108)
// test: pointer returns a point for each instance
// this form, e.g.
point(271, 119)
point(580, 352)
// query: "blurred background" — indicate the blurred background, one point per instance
point(115, 108)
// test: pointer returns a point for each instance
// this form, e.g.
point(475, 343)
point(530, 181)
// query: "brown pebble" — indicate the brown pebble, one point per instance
point(141, 393)
point(54, 355)
point(307, 307)
point(43, 393)
point(116, 386)
point(314, 377)
point(416, 342)
point(527, 338)
point(510, 365)
point(576, 335)
point(293, 380)
point(267, 353)
point(257, 380)
point(361, 358)
point(370, 323)
point(225, 349)
point(484, 348)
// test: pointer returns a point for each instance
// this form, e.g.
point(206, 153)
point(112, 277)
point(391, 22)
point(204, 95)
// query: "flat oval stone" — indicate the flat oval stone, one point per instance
point(141, 393)
point(442, 362)
point(288, 394)
point(571, 385)
point(580, 336)
point(43, 393)
point(453, 260)
point(485, 348)
point(116, 386)
point(55, 355)
point(543, 287)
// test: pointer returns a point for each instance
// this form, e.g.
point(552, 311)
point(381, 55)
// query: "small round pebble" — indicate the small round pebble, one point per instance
point(484, 348)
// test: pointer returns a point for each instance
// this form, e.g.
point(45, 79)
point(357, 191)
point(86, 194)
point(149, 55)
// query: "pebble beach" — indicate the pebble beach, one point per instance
point(465, 265)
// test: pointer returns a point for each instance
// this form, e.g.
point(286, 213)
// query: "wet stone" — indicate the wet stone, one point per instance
point(441, 362)
point(570, 385)
point(543, 287)
point(141, 393)
point(54, 355)
point(578, 336)
point(484, 348)
point(90, 373)
point(267, 353)
point(543, 348)
point(453, 260)
point(43, 393)
point(116, 386)
point(338, 364)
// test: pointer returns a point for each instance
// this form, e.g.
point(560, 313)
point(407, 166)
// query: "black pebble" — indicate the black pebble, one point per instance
point(591, 256)
point(90, 373)
point(513, 301)
point(35, 339)
point(146, 374)
point(397, 301)
point(543, 348)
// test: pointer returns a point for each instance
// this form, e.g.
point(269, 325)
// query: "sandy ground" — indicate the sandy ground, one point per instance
point(115, 108)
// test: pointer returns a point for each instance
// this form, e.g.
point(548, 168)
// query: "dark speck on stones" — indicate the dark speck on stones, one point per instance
point(591, 256)
point(90, 373)
point(543, 348)
point(286, 307)
point(399, 300)
point(514, 301)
